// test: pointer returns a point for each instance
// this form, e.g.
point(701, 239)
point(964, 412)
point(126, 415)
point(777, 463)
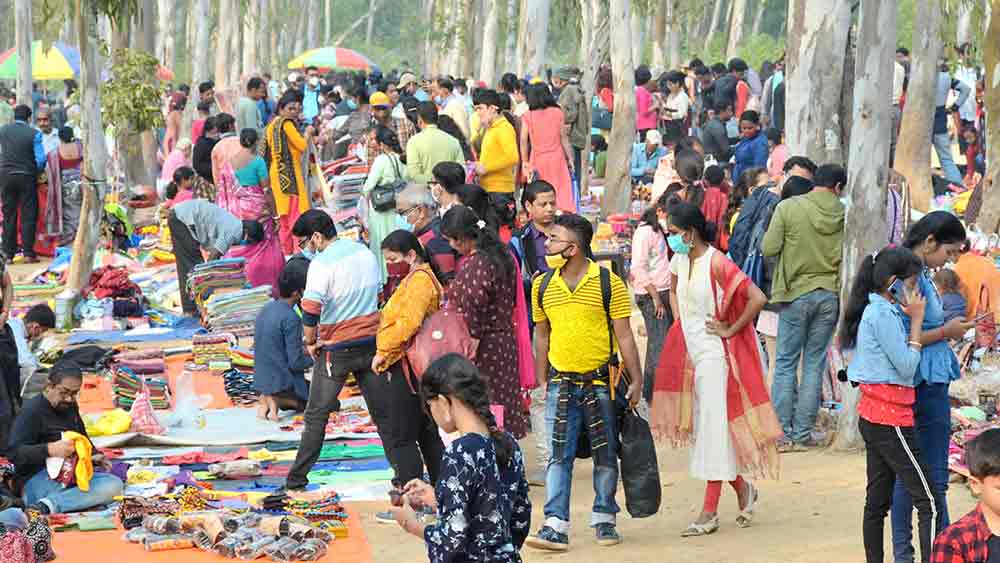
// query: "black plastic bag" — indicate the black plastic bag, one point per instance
point(639, 470)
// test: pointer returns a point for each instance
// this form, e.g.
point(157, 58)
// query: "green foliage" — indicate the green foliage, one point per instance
point(131, 97)
point(762, 47)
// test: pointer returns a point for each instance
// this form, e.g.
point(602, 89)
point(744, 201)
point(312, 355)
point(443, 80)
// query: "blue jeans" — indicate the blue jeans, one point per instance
point(804, 327)
point(13, 519)
point(559, 479)
point(933, 427)
point(942, 146)
point(104, 487)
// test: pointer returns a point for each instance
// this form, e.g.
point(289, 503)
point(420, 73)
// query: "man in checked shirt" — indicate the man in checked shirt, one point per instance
point(974, 539)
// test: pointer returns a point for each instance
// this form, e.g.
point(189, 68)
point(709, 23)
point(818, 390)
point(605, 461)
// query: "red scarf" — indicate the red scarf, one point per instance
point(752, 422)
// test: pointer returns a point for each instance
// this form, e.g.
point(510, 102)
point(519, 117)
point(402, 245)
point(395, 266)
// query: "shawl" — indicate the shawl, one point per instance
point(276, 149)
point(753, 424)
point(522, 331)
point(53, 208)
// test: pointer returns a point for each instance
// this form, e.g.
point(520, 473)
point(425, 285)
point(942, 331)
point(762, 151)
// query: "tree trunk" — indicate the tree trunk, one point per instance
point(636, 35)
point(466, 23)
point(586, 36)
point(263, 33)
point(674, 35)
point(847, 93)
point(868, 174)
point(522, 34)
point(755, 30)
point(963, 23)
point(659, 58)
point(913, 150)
point(989, 215)
point(165, 33)
point(272, 38)
point(224, 37)
point(312, 23)
point(202, 45)
point(716, 13)
point(510, 49)
point(22, 40)
point(370, 28)
point(738, 9)
point(251, 26)
point(299, 43)
point(146, 36)
point(488, 64)
point(96, 161)
point(618, 181)
point(428, 44)
point(597, 21)
point(536, 35)
point(814, 55)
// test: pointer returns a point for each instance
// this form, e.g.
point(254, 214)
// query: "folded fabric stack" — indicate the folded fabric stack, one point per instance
point(236, 311)
point(239, 386)
point(216, 277)
point(126, 384)
point(212, 349)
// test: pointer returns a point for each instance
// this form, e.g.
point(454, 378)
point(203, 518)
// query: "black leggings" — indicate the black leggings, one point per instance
point(893, 454)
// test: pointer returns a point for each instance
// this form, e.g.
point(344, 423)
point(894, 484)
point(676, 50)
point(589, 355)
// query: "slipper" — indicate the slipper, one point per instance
point(695, 529)
point(746, 515)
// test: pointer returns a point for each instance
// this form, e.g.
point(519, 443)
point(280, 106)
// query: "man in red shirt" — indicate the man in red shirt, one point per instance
point(973, 538)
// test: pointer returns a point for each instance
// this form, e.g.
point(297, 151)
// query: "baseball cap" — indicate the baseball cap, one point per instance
point(379, 99)
point(406, 79)
point(653, 136)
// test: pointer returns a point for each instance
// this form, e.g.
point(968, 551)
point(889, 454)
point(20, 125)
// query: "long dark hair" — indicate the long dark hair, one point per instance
point(690, 166)
point(452, 375)
point(945, 227)
point(448, 125)
point(649, 216)
point(872, 277)
point(478, 200)
point(388, 138)
point(403, 241)
point(461, 222)
point(685, 216)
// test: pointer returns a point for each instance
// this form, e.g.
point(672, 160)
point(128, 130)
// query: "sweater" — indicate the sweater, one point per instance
point(807, 232)
point(37, 425)
point(499, 156)
point(426, 149)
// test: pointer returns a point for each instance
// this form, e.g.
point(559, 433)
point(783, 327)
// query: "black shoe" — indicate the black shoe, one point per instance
point(39, 507)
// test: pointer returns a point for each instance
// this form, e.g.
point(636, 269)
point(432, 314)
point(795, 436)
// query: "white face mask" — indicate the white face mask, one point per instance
point(314, 81)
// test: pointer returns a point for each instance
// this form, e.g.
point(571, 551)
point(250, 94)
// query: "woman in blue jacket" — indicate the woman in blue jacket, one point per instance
point(751, 151)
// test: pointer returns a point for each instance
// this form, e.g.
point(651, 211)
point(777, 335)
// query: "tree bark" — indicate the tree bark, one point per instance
point(536, 35)
point(165, 33)
point(299, 43)
point(596, 19)
point(251, 24)
point(586, 35)
point(510, 49)
point(428, 44)
point(636, 34)
point(758, 18)
point(913, 150)
point(673, 35)
point(814, 56)
point(522, 34)
point(963, 23)
point(223, 40)
point(274, 61)
point(327, 22)
point(716, 13)
point(22, 41)
point(312, 24)
point(989, 215)
point(659, 58)
point(618, 182)
point(868, 174)
point(370, 28)
point(466, 23)
point(147, 26)
point(488, 64)
point(739, 9)
point(95, 164)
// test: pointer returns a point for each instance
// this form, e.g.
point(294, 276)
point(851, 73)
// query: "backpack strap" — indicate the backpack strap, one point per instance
point(528, 252)
point(546, 279)
point(606, 299)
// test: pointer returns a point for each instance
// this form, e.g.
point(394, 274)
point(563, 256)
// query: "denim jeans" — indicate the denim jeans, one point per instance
point(541, 430)
point(942, 146)
point(933, 427)
point(656, 335)
point(104, 487)
point(559, 479)
point(13, 519)
point(804, 327)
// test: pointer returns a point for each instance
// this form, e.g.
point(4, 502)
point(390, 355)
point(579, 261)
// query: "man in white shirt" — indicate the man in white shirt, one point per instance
point(450, 104)
point(898, 77)
point(50, 137)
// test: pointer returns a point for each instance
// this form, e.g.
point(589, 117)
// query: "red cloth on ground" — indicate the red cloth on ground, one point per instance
point(205, 457)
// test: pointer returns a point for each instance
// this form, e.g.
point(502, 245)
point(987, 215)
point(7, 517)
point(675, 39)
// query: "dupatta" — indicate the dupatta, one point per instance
point(753, 424)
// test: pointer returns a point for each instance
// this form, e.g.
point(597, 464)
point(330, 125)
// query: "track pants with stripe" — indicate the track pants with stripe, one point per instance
point(893, 454)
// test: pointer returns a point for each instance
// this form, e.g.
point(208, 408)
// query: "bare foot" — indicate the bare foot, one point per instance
point(273, 416)
point(262, 409)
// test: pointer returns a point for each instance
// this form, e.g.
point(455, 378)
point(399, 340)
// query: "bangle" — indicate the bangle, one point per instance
point(915, 344)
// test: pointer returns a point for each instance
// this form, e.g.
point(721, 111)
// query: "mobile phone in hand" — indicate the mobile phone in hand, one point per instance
point(898, 292)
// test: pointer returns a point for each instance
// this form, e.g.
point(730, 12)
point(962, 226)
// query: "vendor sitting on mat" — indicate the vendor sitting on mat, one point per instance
point(199, 224)
point(281, 360)
point(38, 436)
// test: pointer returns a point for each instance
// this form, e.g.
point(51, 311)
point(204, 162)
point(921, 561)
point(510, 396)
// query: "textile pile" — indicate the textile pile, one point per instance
point(239, 379)
point(133, 370)
point(236, 311)
point(218, 276)
point(212, 349)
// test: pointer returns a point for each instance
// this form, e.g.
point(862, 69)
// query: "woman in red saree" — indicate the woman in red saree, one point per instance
point(710, 392)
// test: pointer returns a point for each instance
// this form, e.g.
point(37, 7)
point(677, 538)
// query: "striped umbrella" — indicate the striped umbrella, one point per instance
point(60, 62)
point(337, 58)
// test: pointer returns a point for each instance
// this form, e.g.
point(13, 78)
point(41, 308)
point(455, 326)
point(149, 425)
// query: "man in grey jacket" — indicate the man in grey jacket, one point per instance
point(714, 137)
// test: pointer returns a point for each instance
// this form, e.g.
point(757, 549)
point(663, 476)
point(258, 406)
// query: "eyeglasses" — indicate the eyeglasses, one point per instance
point(406, 212)
point(67, 393)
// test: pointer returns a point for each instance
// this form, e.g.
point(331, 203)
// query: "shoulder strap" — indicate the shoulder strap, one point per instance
point(606, 299)
point(528, 252)
point(543, 286)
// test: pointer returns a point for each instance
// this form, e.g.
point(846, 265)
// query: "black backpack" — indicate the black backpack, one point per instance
point(724, 91)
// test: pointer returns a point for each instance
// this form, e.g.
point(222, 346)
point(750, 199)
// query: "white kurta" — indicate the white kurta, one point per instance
point(712, 455)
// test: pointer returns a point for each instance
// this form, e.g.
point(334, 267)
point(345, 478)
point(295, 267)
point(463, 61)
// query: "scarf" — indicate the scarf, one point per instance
point(276, 149)
point(753, 424)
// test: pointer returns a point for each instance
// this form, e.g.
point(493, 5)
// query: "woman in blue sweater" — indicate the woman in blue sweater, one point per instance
point(752, 150)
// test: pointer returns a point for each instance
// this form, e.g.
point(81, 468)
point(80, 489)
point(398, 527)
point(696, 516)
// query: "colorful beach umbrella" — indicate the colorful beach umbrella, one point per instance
point(337, 58)
point(60, 62)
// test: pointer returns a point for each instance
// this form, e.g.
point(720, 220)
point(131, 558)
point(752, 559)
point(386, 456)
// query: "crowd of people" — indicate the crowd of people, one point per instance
point(472, 226)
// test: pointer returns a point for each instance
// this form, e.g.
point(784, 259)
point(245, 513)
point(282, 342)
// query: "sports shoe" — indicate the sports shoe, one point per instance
point(385, 517)
point(607, 535)
point(549, 540)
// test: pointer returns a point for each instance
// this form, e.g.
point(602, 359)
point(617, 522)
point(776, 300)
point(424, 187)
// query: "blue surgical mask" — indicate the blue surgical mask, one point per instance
point(438, 100)
point(352, 104)
point(677, 244)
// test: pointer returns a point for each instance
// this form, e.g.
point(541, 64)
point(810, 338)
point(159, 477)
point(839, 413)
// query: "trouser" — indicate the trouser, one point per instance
point(805, 326)
point(541, 430)
point(897, 116)
point(559, 479)
point(408, 435)
point(656, 336)
point(942, 146)
point(104, 487)
point(893, 460)
point(713, 490)
point(932, 413)
point(962, 145)
point(578, 166)
point(19, 193)
point(187, 253)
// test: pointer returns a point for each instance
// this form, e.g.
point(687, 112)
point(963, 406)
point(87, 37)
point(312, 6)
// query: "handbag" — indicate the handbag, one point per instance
point(639, 469)
point(600, 116)
point(986, 326)
point(383, 196)
point(444, 332)
point(753, 267)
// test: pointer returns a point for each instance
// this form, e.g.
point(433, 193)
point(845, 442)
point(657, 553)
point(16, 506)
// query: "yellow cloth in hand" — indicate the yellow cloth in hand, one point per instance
point(84, 465)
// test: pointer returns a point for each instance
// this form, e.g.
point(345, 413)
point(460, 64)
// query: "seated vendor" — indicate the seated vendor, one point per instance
point(197, 225)
point(16, 337)
point(38, 435)
point(281, 360)
point(646, 157)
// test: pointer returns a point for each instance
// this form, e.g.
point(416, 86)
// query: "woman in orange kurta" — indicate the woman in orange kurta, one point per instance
point(282, 149)
point(412, 440)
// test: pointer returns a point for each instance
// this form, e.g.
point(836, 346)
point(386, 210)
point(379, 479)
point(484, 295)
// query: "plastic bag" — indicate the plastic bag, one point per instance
point(143, 418)
point(163, 543)
point(310, 550)
point(254, 550)
point(282, 550)
point(115, 421)
point(236, 521)
point(161, 524)
point(639, 470)
point(189, 405)
point(227, 546)
point(235, 470)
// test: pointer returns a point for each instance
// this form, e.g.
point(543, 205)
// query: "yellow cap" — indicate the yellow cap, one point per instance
point(379, 99)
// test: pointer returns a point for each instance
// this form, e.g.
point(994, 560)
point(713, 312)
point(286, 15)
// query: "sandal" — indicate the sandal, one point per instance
point(745, 519)
point(696, 529)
